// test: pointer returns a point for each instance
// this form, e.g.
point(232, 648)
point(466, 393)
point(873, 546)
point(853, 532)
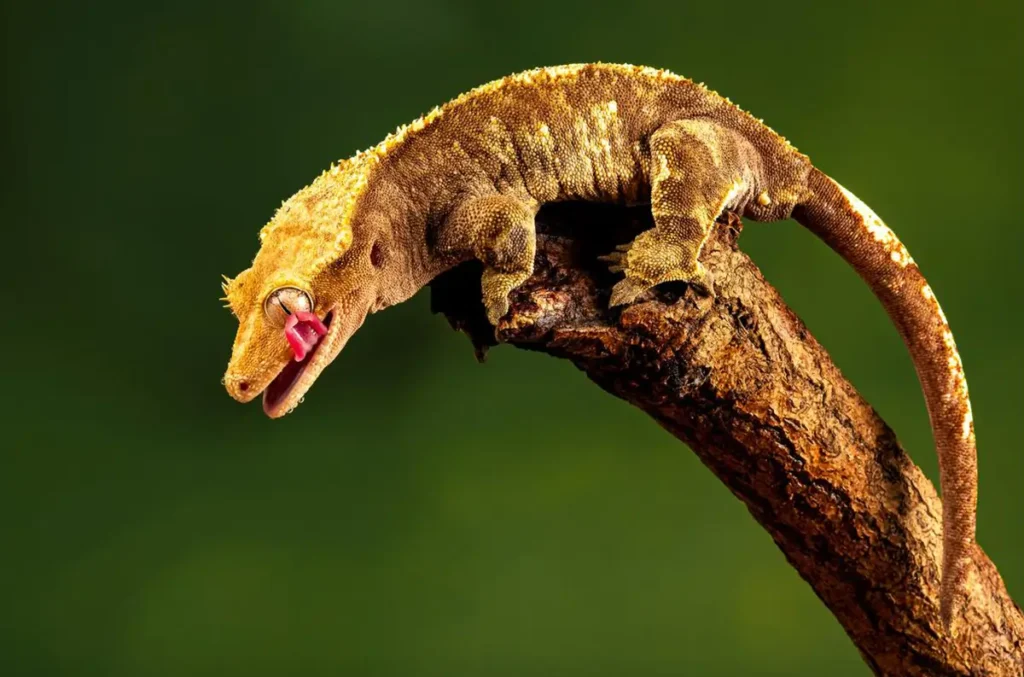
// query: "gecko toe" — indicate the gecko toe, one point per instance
point(617, 258)
point(625, 291)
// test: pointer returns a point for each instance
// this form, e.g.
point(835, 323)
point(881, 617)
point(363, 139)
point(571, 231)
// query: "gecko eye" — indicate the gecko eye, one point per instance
point(284, 301)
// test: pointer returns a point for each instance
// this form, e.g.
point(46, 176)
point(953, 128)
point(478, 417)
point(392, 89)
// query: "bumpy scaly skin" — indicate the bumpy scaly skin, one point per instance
point(466, 180)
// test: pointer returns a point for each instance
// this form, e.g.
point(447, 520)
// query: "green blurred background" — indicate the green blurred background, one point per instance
point(421, 514)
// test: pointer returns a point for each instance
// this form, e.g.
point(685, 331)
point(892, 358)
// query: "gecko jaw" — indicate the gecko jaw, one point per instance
point(286, 390)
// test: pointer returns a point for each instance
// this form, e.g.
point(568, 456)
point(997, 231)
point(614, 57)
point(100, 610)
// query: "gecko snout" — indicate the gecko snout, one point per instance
point(240, 388)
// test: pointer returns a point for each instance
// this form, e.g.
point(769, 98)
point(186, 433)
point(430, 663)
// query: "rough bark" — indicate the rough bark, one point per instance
point(735, 375)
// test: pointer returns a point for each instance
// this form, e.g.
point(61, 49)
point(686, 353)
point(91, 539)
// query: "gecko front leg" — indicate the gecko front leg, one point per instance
point(499, 231)
point(698, 169)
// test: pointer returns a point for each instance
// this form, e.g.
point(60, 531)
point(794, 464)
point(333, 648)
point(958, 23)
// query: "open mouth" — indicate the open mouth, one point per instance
point(306, 335)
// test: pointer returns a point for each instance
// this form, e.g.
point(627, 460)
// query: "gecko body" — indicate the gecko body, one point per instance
point(466, 180)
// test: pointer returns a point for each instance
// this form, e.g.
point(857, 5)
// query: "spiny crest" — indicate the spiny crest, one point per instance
point(234, 292)
point(314, 227)
point(536, 76)
point(225, 286)
point(310, 230)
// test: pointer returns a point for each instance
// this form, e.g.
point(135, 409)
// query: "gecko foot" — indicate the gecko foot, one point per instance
point(625, 291)
point(644, 272)
point(496, 287)
point(617, 258)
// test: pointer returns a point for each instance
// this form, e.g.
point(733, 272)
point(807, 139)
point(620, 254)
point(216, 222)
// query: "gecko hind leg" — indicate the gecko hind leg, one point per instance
point(698, 169)
point(499, 231)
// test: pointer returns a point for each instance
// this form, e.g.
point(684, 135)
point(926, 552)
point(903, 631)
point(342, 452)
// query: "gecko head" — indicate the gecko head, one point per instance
point(310, 287)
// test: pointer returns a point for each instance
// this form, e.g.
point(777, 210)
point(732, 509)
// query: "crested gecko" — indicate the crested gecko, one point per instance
point(466, 180)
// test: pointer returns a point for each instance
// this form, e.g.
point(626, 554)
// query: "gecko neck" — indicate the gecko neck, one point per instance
point(411, 216)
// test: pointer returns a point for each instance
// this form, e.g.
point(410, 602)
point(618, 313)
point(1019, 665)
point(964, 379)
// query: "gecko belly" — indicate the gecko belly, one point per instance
point(304, 332)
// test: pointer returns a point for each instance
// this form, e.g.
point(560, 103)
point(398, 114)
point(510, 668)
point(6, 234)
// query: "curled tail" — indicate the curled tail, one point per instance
point(856, 233)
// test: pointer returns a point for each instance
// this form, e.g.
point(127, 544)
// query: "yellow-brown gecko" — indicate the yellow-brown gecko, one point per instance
point(465, 181)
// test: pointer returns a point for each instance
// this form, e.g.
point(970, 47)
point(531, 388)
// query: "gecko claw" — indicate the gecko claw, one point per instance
point(617, 258)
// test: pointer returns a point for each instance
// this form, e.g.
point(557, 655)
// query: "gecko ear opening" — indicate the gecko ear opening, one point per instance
point(377, 254)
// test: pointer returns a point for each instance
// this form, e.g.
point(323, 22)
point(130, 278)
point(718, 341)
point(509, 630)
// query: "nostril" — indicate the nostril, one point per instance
point(243, 386)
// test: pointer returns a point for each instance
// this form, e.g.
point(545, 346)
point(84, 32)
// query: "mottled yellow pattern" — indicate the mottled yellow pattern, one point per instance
point(958, 389)
point(465, 182)
point(879, 231)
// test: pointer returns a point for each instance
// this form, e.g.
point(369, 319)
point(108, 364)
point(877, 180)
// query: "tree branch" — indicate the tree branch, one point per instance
point(737, 377)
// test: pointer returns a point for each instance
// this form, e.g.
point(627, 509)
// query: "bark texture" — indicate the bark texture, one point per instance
point(736, 376)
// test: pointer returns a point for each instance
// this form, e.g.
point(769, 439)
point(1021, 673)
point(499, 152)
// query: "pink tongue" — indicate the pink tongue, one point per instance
point(303, 331)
